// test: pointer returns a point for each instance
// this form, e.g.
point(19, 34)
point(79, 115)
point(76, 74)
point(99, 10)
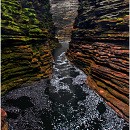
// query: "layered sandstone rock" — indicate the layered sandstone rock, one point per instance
point(99, 46)
point(102, 20)
point(64, 13)
point(4, 125)
point(27, 42)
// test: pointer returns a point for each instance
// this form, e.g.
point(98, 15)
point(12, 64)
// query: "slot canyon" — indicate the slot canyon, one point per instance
point(64, 65)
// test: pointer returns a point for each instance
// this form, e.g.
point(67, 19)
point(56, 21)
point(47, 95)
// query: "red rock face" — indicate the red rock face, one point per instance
point(107, 67)
point(105, 61)
point(4, 125)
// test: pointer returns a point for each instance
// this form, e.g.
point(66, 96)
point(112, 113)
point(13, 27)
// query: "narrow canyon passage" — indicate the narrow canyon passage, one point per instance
point(64, 102)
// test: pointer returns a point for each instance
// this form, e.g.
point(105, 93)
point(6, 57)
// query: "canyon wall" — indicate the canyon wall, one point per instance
point(27, 40)
point(99, 46)
point(64, 13)
point(4, 124)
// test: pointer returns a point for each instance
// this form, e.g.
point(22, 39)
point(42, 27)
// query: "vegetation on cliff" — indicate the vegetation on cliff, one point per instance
point(27, 40)
point(102, 21)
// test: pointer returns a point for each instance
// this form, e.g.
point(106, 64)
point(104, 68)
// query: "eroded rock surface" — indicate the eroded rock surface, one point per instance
point(27, 41)
point(4, 125)
point(99, 46)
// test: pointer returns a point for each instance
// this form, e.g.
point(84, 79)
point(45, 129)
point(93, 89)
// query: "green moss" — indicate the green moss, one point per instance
point(22, 29)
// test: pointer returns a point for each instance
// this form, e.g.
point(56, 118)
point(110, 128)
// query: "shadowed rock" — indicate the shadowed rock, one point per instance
point(99, 47)
point(101, 108)
point(22, 102)
point(28, 37)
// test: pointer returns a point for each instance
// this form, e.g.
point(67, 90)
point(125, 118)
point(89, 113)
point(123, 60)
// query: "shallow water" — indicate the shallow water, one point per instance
point(63, 103)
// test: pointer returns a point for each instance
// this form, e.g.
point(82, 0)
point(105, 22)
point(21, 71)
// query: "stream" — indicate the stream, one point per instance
point(63, 103)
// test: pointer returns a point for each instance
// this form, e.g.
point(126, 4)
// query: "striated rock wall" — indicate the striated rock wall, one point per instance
point(4, 124)
point(64, 13)
point(102, 20)
point(27, 33)
point(99, 46)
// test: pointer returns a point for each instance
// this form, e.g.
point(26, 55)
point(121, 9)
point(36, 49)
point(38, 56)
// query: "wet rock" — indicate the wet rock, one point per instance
point(79, 92)
point(125, 128)
point(27, 42)
point(12, 115)
point(73, 73)
point(22, 102)
point(47, 90)
point(68, 107)
point(4, 125)
point(101, 108)
point(67, 80)
point(46, 117)
point(99, 47)
point(63, 96)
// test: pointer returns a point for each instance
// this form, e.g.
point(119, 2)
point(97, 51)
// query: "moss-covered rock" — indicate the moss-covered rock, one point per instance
point(27, 41)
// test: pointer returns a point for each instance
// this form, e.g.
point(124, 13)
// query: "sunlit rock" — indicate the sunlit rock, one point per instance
point(99, 46)
point(4, 125)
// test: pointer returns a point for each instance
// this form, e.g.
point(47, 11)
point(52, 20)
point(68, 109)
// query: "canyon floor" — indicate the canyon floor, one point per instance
point(74, 82)
point(63, 102)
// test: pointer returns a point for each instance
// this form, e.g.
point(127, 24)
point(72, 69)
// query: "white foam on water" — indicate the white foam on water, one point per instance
point(82, 112)
point(80, 79)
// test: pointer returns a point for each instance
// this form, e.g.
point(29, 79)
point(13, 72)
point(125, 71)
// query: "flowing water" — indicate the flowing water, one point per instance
point(63, 103)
